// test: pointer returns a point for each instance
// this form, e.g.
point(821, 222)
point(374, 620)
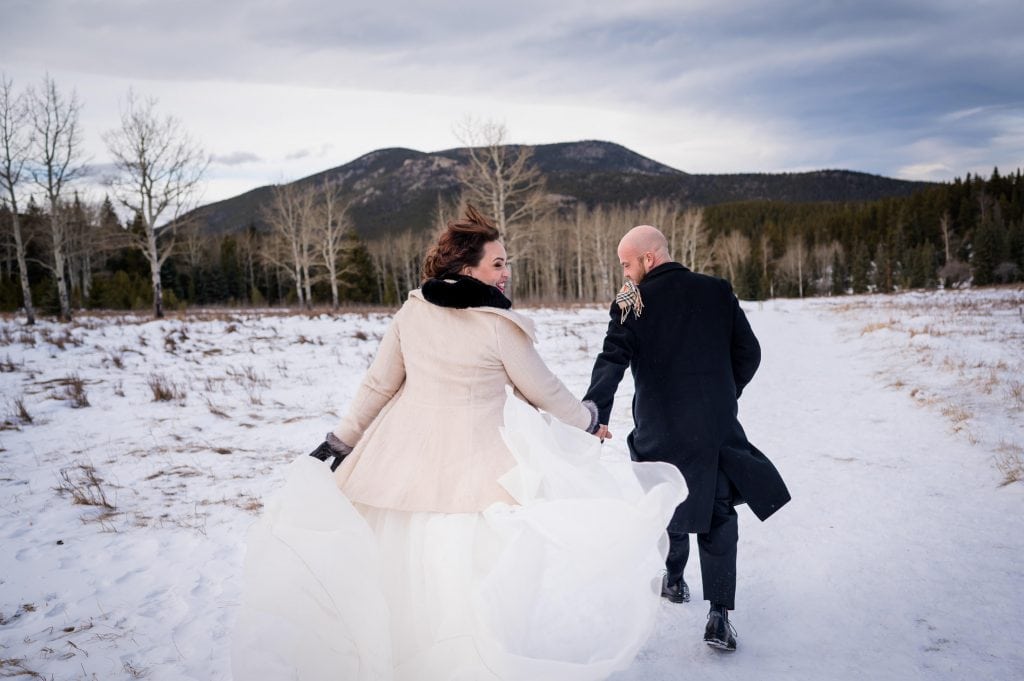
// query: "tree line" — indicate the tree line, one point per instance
point(155, 173)
point(67, 252)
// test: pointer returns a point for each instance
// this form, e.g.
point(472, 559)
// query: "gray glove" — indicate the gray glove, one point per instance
point(332, 448)
point(592, 408)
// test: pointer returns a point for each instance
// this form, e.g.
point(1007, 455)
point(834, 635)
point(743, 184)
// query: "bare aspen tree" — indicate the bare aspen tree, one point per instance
point(15, 145)
point(408, 248)
point(548, 274)
point(946, 225)
point(695, 253)
point(444, 212)
point(607, 228)
point(579, 220)
point(289, 217)
point(56, 161)
point(159, 169)
point(379, 251)
point(764, 244)
point(83, 242)
point(731, 251)
point(793, 262)
point(665, 216)
point(332, 229)
point(502, 181)
point(823, 256)
point(248, 248)
point(191, 244)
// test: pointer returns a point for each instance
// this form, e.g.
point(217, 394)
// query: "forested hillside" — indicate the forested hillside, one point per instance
point(967, 231)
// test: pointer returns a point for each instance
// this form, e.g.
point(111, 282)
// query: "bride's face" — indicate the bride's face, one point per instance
point(493, 266)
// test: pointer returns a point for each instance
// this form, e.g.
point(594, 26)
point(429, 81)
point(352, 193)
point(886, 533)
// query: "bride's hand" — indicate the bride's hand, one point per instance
point(603, 433)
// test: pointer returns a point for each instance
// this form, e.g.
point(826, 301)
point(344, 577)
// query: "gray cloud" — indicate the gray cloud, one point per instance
point(307, 153)
point(235, 158)
point(857, 82)
point(98, 172)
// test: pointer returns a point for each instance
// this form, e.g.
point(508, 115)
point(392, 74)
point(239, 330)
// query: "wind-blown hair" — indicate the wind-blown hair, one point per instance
point(460, 245)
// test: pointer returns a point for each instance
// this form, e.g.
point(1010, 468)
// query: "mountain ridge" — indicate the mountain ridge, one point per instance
point(395, 188)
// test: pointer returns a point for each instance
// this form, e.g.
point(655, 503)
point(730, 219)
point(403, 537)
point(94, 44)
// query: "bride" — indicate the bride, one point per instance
point(465, 535)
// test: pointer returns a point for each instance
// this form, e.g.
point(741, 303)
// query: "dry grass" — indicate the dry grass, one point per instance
point(7, 366)
point(957, 414)
point(248, 375)
point(926, 330)
point(1010, 462)
point(878, 326)
point(75, 391)
point(85, 486)
point(255, 396)
point(164, 389)
point(215, 410)
point(135, 672)
point(243, 501)
point(179, 471)
point(13, 667)
point(60, 339)
point(21, 411)
point(1015, 394)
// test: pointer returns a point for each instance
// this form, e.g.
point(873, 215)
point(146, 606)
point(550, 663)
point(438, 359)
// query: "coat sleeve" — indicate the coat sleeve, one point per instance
point(745, 350)
point(610, 365)
point(532, 378)
point(383, 379)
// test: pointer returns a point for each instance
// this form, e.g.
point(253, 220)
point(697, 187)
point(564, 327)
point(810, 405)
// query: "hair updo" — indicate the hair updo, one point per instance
point(460, 245)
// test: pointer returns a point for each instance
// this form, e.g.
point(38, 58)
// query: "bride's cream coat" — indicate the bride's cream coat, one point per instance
point(425, 420)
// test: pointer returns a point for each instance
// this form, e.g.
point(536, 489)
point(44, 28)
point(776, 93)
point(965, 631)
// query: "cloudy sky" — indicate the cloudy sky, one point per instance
point(279, 90)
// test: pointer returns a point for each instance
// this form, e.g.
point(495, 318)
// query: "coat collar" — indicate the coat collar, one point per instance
point(461, 291)
point(519, 320)
point(662, 269)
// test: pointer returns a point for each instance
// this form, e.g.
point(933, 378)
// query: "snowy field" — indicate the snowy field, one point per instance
point(134, 454)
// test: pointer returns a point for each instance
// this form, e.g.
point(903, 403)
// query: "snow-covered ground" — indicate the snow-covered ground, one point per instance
point(898, 423)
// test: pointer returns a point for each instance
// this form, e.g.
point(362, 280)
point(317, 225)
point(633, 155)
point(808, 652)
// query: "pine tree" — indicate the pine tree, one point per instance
point(987, 252)
point(860, 268)
point(838, 277)
point(359, 277)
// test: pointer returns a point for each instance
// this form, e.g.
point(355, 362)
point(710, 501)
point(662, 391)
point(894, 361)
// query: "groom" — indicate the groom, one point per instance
point(691, 352)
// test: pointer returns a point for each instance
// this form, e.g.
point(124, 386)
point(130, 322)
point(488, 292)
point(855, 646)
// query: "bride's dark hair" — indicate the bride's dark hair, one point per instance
point(460, 245)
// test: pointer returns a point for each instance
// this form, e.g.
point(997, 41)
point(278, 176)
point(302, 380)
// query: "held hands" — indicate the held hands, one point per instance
point(596, 429)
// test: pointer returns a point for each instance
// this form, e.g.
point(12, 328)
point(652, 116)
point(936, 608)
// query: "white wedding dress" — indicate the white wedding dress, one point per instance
point(563, 587)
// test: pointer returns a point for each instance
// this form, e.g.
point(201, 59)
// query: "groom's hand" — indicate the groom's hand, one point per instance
point(603, 433)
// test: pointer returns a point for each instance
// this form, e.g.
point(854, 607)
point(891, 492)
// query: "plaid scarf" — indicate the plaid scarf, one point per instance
point(628, 298)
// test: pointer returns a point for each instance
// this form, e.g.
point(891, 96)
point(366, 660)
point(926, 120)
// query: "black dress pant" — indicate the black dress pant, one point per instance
point(716, 547)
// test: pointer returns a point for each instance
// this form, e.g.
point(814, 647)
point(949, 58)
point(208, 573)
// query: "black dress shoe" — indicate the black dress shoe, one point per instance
point(719, 632)
point(676, 593)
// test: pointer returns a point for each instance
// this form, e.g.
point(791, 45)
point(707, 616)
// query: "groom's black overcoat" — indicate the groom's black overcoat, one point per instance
point(691, 352)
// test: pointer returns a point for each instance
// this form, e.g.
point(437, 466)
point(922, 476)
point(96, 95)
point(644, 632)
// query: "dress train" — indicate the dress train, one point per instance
point(564, 586)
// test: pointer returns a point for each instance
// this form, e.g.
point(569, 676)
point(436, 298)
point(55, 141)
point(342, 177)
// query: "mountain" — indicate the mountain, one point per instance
point(395, 189)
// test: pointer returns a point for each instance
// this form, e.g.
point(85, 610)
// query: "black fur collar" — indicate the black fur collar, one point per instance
point(460, 291)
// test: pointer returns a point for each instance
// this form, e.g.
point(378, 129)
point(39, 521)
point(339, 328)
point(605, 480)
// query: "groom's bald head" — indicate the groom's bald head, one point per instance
point(641, 250)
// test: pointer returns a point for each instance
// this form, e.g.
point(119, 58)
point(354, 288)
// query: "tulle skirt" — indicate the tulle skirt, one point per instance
point(563, 587)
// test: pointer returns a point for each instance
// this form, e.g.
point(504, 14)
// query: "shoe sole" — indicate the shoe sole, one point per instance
point(720, 645)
